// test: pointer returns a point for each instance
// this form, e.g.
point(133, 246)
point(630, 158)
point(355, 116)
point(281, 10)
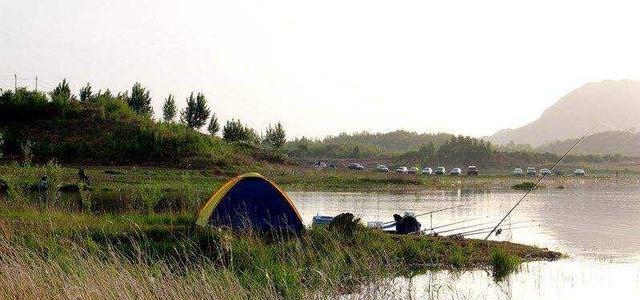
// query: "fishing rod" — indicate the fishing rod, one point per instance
point(482, 232)
point(439, 210)
point(464, 227)
point(539, 180)
point(390, 223)
point(458, 222)
point(487, 228)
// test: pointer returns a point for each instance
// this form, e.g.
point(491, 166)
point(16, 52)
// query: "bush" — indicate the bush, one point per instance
point(527, 185)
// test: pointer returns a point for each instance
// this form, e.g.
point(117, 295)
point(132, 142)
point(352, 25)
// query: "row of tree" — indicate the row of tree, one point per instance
point(194, 115)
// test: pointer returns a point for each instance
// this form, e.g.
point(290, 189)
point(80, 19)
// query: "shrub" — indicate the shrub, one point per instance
point(527, 185)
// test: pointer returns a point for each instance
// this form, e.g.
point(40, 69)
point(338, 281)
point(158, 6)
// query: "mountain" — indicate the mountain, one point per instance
point(610, 142)
point(606, 103)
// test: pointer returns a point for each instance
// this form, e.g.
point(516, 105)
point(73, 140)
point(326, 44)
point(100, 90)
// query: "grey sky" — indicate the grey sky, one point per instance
point(323, 67)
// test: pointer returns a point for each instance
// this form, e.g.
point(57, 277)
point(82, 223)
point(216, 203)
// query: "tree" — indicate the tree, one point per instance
point(62, 93)
point(106, 95)
point(196, 113)
point(275, 136)
point(427, 154)
point(214, 126)
point(356, 152)
point(140, 100)
point(86, 93)
point(169, 109)
point(234, 131)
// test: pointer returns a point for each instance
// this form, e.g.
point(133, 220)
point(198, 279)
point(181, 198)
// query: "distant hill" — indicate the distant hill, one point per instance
point(364, 144)
point(610, 142)
point(611, 102)
point(398, 141)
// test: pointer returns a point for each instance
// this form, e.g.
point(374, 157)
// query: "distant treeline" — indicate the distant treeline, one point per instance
point(106, 128)
point(429, 149)
point(364, 144)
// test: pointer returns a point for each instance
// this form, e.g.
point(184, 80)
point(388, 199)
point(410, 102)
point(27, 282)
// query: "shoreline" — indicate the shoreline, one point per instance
point(141, 220)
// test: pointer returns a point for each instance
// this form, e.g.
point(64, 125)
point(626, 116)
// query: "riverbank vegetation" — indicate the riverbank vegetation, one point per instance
point(131, 234)
point(527, 185)
point(50, 252)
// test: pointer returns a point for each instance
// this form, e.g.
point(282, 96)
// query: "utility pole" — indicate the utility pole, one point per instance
point(15, 82)
point(36, 84)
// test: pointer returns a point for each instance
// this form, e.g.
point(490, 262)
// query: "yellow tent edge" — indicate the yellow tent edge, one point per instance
point(207, 209)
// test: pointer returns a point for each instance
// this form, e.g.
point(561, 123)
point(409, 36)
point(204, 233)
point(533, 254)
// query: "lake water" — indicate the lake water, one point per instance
point(598, 227)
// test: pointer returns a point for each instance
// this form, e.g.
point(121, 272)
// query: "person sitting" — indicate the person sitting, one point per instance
point(43, 185)
point(406, 224)
point(83, 177)
point(3, 186)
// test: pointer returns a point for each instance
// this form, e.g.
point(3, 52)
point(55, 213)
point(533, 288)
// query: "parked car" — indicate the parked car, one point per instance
point(518, 172)
point(414, 170)
point(319, 165)
point(545, 172)
point(382, 168)
point(332, 166)
point(456, 172)
point(402, 170)
point(427, 171)
point(579, 172)
point(441, 171)
point(472, 171)
point(531, 171)
point(356, 166)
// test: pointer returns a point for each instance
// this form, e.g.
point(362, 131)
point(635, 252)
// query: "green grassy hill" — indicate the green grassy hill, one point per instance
point(106, 132)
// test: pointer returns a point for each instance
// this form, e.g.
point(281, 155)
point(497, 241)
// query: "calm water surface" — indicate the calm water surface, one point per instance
point(598, 227)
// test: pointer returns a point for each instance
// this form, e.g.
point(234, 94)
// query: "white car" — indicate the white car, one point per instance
point(414, 170)
point(441, 171)
point(531, 171)
point(579, 172)
point(518, 172)
point(382, 168)
point(455, 172)
point(427, 171)
point(545, 172)
point(402, 170)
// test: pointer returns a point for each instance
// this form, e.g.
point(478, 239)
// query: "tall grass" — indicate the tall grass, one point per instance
point(503, 263)
point(140, 192)
point(59, 254)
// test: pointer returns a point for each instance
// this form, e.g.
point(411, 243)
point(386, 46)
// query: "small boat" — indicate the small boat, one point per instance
point(321, 220)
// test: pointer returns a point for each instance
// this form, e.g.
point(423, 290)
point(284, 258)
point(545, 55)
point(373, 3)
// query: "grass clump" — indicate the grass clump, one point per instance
point(503, 263)
point(527, 185)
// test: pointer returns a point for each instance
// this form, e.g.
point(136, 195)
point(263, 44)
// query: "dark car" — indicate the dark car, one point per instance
point(356, 166)
point(472, 171)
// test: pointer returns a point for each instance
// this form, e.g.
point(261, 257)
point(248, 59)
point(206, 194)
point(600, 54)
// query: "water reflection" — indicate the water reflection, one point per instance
point(599, 228)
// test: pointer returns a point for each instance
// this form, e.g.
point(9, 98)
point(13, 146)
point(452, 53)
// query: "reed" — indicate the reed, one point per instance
point(59, 254)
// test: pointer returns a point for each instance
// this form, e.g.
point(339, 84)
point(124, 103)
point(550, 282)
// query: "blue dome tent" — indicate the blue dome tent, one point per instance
point(251, 201)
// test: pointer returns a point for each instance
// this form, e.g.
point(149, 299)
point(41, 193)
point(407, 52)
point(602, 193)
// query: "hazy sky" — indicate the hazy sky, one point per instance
point(323, 67)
